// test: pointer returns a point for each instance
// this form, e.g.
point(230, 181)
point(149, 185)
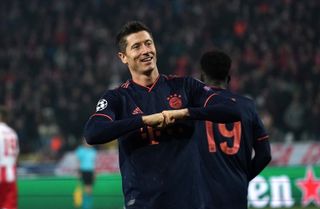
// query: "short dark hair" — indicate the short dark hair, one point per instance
point(216, 65)
point(127, 29)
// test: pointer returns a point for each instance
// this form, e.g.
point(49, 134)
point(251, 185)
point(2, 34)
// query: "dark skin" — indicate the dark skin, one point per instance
point(213, 82)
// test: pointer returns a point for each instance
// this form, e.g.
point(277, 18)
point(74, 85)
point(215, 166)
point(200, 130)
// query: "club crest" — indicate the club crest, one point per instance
point(175, 101)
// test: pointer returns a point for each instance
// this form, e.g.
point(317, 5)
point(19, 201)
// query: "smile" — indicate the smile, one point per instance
point(147, 59)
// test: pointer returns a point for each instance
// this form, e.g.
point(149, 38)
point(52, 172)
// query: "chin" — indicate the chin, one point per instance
point(148, 70)
point(149, 67)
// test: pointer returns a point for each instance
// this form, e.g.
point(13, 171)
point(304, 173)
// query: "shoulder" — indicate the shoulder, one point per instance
point(117, 90)
point(244, 98)
point(186, 80)
point(173, 81)
point(245, 101)
point(79, 149)
point(182, 78)
point(5, 129)
point(111, 98)
point(124, 85)
point(172, 78)
point(111, 95)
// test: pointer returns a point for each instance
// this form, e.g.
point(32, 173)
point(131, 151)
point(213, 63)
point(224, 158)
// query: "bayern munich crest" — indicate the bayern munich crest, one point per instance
point(175, 101)
point(102, 104)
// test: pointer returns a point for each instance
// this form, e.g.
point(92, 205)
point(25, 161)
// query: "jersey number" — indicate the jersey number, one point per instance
point(234, 134)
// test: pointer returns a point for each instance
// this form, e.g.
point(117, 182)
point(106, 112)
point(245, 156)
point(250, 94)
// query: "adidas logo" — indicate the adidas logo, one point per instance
point(137, 111)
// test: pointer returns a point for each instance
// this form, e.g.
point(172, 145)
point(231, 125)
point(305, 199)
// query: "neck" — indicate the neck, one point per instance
point(218, 84)
point(213, 82)
point(147, 78)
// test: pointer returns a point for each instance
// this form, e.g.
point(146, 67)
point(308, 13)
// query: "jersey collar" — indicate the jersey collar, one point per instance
point(148, 88)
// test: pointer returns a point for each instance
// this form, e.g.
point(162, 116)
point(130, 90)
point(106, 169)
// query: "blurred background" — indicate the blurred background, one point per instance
point(57, 57)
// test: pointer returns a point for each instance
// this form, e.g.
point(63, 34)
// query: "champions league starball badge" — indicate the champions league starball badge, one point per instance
point(102, 104)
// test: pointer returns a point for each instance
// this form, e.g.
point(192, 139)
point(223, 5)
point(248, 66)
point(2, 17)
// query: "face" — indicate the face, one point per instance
point(140, 53)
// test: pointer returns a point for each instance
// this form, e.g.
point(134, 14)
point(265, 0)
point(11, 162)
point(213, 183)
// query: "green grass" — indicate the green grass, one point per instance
point(295, 207)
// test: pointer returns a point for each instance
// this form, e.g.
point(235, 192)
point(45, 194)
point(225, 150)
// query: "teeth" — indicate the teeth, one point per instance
point(146, 59)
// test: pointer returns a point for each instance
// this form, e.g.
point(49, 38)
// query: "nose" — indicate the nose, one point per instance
point(145, 49)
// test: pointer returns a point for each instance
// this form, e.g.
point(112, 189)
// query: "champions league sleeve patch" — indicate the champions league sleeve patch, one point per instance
point(102, 104)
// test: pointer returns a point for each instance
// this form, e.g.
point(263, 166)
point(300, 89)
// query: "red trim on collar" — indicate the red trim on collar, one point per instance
point(148, 88)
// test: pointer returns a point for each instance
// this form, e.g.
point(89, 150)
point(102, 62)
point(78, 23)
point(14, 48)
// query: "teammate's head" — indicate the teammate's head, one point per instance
point(3, 113)
point(137, 49)
point(215, 66)
point(127, 29)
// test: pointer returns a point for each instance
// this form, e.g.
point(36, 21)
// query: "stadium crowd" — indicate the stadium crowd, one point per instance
point(57, 57)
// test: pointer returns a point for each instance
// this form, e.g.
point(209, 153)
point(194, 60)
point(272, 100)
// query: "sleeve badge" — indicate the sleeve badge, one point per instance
point(102, 104)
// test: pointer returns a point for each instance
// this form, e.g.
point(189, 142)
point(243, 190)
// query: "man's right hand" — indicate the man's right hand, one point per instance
point(170, 116)
point(156, 120)
point(167, 117)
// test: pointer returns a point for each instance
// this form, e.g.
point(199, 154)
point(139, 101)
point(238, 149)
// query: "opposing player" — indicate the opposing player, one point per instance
point(9, 150)
point(225, 150)
point(154, 166)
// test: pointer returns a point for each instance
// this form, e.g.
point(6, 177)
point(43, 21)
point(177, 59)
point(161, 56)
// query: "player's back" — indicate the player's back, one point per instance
point(225, 152)
point(9, 150)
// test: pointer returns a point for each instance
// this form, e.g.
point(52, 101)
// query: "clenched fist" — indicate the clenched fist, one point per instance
point(170, 116)
point(155, 120)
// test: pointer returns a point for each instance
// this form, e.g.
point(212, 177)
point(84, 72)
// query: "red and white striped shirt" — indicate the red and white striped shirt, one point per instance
point(9, 150)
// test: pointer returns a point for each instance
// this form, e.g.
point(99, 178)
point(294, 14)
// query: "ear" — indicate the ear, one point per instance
point(123, 57)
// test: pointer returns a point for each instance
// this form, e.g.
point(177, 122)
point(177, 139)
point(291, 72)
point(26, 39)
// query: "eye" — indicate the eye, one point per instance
point(135, 46)
point(149, 43)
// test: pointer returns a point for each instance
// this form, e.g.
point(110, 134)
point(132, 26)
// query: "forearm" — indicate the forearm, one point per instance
point(100, 130)
point(218, 113)
point(261, 159)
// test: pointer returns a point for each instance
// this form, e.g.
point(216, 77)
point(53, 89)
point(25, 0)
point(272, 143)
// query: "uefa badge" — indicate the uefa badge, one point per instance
point(102, 104)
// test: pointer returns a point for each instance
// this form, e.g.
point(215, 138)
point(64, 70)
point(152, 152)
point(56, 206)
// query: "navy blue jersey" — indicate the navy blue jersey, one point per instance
point(225, 165)
point(154, 164)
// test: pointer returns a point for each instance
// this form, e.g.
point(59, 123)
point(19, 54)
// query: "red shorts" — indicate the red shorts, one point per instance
point(8, 197)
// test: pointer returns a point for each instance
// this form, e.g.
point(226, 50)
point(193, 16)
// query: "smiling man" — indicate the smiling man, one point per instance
point(140, 56)
point(143, 114)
